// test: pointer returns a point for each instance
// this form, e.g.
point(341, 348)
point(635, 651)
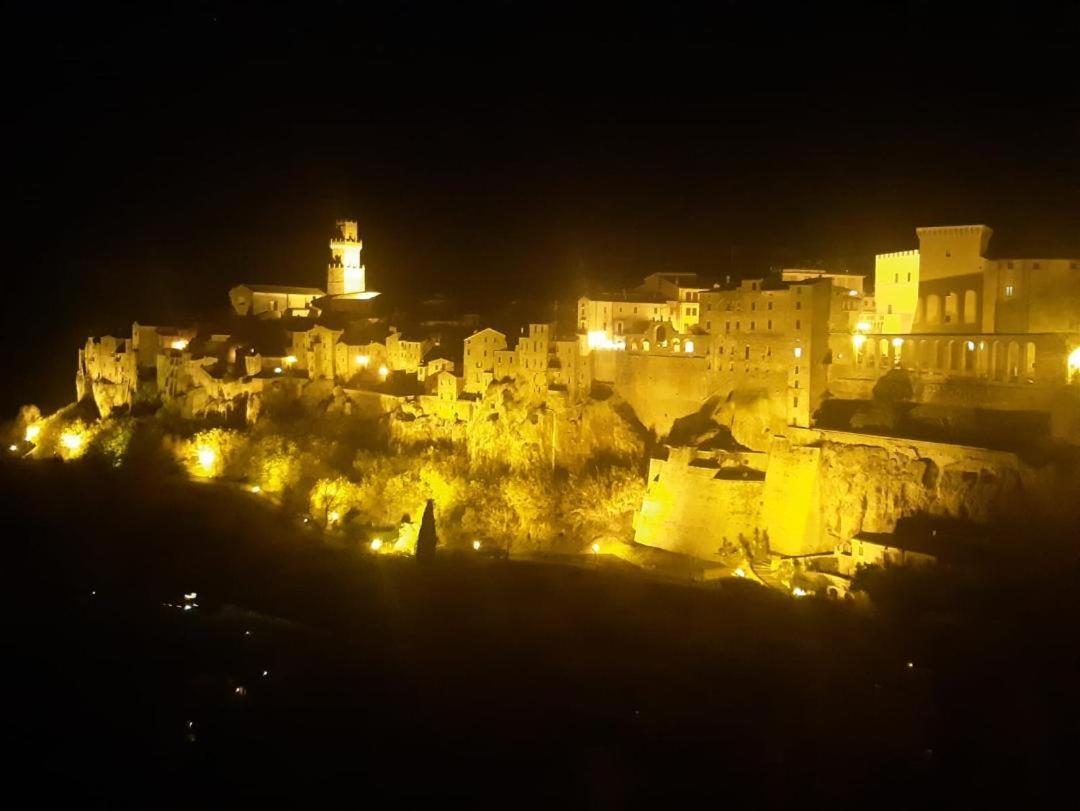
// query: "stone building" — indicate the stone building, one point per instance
point(479, 359)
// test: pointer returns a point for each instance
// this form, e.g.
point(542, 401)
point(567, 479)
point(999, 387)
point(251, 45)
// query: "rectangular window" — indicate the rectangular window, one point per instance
point(798, 324)
point(770, 324)
point(796, 402)
point(1008, 291)
point(909, 276)
point(753, 324)
point(746, 352)
point(798, 305)
point(727, 326)
point(896, 278)
point(708, 326)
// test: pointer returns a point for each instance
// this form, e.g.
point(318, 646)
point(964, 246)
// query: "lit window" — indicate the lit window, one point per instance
point(1009, 290)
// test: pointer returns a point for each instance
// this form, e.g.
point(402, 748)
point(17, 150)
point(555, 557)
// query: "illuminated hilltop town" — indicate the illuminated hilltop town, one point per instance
point(799, 421)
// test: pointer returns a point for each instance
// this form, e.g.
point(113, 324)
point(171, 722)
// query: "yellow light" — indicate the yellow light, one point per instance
point(799, 592)
point(971, 346)
point(476, 545)
point(333, 516)
point(256, 489)
point(290, 359)
point(362, 360)
point(688, 346)
point(596, 548)
point(376, 544)
point(206, 456)
point(179, 343)
point(71, 440)
point(277, 370)
point(898, 342)
point(863, 326)
point(798, 351)
point(739, 572)
point(383, 372)
point(13, 448)
point(853, 292)
point(1074, 360)
point(32, 432)
point(858, 340)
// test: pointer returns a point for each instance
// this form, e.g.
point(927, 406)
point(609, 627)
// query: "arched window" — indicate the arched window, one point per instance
point(920, 310)
point(941, 357)
point(688, 346)
point(933, 309)
point(1029, 359)
point(924, 361)
point(883, 351)
point(661, 336)
point(675, 345)
point(971, 313)
point(952, 308)
point(997, 361)
point(950, 353)
point(645, 345)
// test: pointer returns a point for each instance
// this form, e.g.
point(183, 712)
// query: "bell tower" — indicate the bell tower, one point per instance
point(345, 274)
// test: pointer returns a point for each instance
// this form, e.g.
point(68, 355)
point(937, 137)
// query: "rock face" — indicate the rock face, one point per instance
point(820, 489)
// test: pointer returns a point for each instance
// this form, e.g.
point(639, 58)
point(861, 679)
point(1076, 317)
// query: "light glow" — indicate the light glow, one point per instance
point(179, 344)
point(32, 432)
point(688, 346)
point(798, 352)
point(476, 545)
point(376, 544)
point(971, 346)
point(799, 592)
point(290, 359)
point(1074, 361)
point(207, 456)
point(362, 361)
point(598, 339)
point(383, 372)
point(739, 572)
point(596, 548)
point(277, 370)
point(898, 342)
point(863, 326)
point(857, 341)
point(333, 516)
point(71, 440)
point(256, 489)
point(13, 448)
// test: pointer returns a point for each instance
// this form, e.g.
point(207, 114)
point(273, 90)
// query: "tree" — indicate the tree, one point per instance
point(427, 540)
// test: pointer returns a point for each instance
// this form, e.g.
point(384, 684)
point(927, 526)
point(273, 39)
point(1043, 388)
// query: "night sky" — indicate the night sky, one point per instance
point(156, 158)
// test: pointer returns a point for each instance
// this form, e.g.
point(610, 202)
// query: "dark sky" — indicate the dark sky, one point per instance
point(154, 158)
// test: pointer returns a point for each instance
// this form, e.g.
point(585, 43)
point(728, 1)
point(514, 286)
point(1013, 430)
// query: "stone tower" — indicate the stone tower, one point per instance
point(345, 273)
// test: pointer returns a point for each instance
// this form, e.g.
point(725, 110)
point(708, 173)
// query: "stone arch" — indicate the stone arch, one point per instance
point(1012, 362)
point(941, 360)
point(997, 361)
point(925, 361)
point(933, 309)
point(676, 344)
point(950, 355)
point(982, 360)
point(971, 307)
point(967, 357)
point(645, 344)
point(920, 310)
point(1029, 359)
point(883, 351)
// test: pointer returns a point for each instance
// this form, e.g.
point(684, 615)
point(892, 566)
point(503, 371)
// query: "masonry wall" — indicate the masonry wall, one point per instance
point(697, 510)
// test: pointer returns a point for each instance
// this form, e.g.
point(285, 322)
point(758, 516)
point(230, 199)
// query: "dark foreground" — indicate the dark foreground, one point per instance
point(510, 684)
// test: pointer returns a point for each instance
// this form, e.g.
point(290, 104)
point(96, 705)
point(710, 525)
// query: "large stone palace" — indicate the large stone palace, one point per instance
point(802, 410)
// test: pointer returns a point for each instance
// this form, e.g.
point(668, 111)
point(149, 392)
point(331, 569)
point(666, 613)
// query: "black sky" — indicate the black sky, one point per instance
point(155, 157)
